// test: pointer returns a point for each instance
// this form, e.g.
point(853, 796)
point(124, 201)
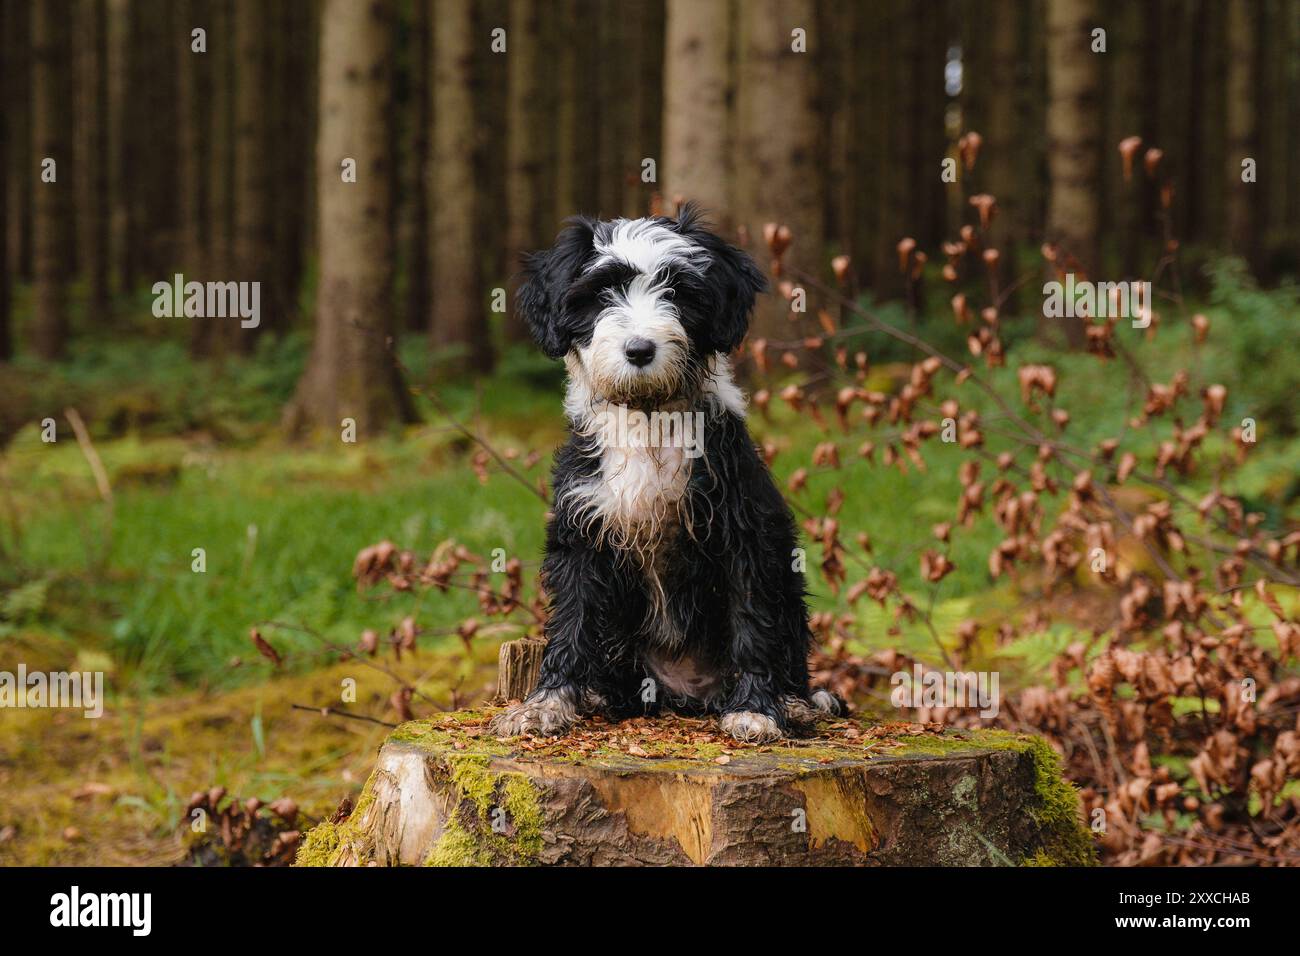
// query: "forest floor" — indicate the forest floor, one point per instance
point(195, 461)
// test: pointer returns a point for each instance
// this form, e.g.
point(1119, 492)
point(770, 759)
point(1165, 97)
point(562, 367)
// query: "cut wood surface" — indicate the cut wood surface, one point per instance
point(675, 791)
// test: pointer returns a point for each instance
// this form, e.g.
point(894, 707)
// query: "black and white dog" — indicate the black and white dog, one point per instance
point(670, 557)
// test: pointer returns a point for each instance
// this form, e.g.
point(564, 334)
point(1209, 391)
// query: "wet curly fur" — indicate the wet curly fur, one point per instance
point(670, 569)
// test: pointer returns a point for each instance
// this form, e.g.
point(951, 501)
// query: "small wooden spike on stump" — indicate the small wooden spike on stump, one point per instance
point(518, 667)
point(675, 791)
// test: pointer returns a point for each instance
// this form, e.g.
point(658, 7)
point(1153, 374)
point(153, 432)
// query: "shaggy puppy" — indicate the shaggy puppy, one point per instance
point(670, 556)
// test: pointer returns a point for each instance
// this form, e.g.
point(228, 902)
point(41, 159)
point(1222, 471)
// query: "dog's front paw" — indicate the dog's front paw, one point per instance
point(546, 714)
point(828, 703)
point(749, 727)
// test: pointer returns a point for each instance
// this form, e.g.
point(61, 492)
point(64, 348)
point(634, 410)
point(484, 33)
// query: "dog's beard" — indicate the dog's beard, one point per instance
point(611, 378)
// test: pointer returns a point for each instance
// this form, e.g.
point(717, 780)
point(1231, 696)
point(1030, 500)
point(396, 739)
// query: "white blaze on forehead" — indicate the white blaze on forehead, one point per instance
point(648, 247)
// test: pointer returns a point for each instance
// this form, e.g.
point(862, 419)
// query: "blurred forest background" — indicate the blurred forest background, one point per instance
point(478, 126)
point(182, 503)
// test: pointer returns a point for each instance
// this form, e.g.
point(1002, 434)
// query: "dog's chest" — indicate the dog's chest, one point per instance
point(641, 485)
point(639, 481)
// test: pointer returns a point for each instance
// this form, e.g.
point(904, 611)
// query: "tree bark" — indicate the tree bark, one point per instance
point(576, 169)
point(697, 100)
point(350, 373)
point(193, 103)
point(253, 162)
point(214, 336)
point(52, 104)
point(529, 222)
point(645, 141)
point(671, 792)
point(1073, 75)
point(460, 326)
point(519, 665)
point(291, 75)
point(117, 31)
point(1241, 129)
point(419, 118)
point(93, 155)
point(17, 156)
point(615, 104)
point(927, 190)
point(892, 137)
point(1002, 155)
point(6, 131)
point(777, 146)
point(1124, 199)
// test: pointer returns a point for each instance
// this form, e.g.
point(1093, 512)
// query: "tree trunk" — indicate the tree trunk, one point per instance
point(529, 223)
point(16, 63)
point(93, 152)
point(51, 140)
point(1124, 119)
point(1001, 158)
point(193, 101)
point(645, 140)
point(697, 100)
point(215, 336)
point(252, 159)
point(1073, 75)
point(6, 131)
point(460, 326)
point(1241, 131)
point(117, 33)
point(350, 374)
point(291, 75)
point(576, 168)
point(927, 189)
point(894, 214)
point(673, 792)
point(419, 120)
point(615, 102)
point(778, 144)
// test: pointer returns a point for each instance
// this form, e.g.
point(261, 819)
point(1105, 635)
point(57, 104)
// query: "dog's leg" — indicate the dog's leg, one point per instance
point(587, 602)
point(767, 617)
point(754, 711)
point(548, 713)
point(807, 705)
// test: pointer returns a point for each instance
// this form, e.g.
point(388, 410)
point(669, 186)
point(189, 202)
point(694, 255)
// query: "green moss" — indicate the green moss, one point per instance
point(1040, 858)
point(319, 846)
point(458, 847)
point(326, 842)
point(520, 801)
point(468, 837)
point(476, 783)
point(1066, 841)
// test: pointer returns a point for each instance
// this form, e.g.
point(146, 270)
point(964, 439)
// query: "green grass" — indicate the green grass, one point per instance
point(280, 531)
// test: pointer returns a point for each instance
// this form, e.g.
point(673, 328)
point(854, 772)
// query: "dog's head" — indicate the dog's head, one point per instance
point(640, 306)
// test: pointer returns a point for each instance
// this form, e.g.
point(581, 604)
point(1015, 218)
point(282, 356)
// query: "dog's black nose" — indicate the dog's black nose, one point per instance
point(640, 352)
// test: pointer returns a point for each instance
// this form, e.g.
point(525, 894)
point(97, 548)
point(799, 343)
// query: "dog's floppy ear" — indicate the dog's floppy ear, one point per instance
point(735, 279)
point(547, 276)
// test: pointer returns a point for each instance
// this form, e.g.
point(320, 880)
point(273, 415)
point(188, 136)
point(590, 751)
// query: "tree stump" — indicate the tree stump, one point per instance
point(519, 664)
point(675, 791)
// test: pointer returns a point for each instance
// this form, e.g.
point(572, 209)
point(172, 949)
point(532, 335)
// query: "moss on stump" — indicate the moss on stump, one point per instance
point(674, 791)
